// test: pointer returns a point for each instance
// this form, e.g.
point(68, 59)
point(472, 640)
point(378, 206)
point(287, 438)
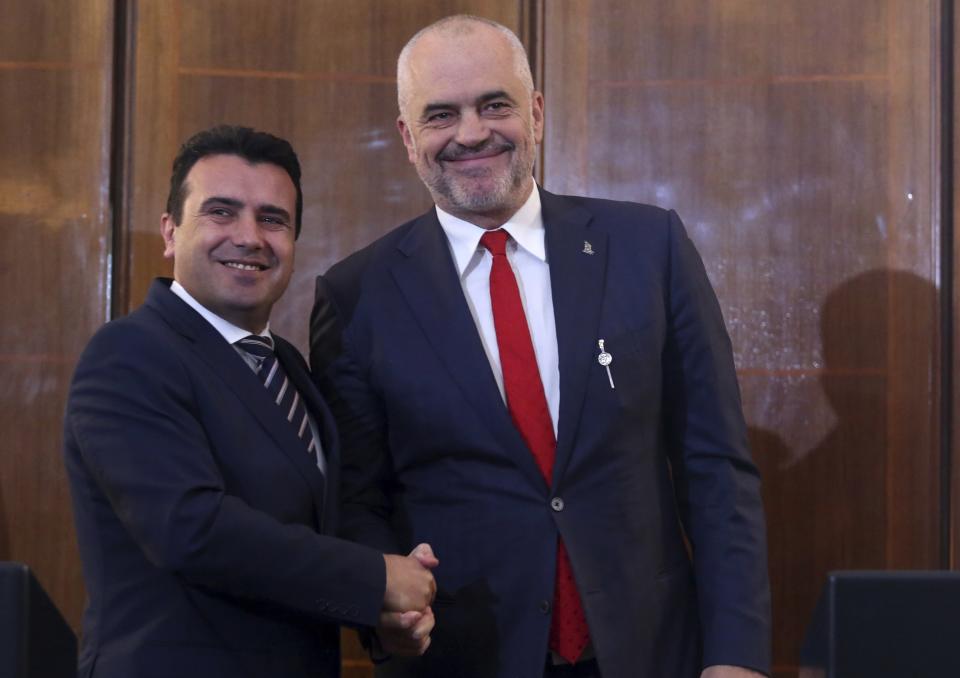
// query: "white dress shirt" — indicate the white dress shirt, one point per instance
point(527, 254)
point(228, 330)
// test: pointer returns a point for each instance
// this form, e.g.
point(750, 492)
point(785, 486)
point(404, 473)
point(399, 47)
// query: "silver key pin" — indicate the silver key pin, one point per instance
point(605, 359)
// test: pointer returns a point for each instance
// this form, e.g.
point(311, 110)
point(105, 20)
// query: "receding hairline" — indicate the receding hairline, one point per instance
point(458, 25)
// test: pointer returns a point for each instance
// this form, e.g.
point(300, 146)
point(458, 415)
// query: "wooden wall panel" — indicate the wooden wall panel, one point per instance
point(953, 187)
point(913, 141)
point(55, 80)
point(797, 142)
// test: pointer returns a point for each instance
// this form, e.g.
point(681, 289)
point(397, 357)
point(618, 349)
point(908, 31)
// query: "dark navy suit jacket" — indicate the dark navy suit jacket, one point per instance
point(642, 469)
point(200, 516)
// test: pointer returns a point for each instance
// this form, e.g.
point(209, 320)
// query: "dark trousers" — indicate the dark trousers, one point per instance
point(584, 669)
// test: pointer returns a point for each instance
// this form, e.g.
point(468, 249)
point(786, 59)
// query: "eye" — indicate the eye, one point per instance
point(497, 107)
point(273, 221)
point(219, 213)
point(440, 116)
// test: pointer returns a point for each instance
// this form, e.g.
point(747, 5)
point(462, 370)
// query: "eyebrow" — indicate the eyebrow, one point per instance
point(239, 204)
point(490, 96)
point(220, 200)
point(479, 101)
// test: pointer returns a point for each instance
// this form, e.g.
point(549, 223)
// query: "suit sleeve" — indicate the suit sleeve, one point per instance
point(339, 362)
point(135, 420)
point(717, 484)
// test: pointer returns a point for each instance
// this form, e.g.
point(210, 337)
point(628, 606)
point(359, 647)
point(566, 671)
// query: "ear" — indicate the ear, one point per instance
point(407, 140)
point(167, 229)
point(536, 111)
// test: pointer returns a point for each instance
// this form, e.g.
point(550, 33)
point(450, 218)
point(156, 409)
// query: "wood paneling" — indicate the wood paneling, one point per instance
point(953, 534)
point(797, 142)
point(55, 80)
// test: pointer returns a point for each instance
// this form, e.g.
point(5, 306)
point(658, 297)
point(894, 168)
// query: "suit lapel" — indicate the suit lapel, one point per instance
point(577, 256)
point(209, 346)
point(425, 273)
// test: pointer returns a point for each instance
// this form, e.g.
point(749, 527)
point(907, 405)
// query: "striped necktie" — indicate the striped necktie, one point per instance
point(282, 391)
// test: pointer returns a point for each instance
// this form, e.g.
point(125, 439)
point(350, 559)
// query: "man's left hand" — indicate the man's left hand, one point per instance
point(406, 634)
point(723, 671)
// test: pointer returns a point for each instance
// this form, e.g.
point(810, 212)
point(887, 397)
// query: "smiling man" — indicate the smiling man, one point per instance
point(203, 464)
point(542, 387)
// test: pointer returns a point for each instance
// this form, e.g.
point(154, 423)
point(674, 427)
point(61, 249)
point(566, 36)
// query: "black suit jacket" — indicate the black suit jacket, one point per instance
point(430, 452)
point(202, 522)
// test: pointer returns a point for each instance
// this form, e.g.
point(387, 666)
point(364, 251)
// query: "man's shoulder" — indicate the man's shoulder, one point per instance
point(134, 336)
point(352, 268)
point(606, 210)
point(145, 334)
point(131, 352)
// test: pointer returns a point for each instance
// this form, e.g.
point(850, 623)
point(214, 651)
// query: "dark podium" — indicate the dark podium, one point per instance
point(885, 625)
point(35, 641)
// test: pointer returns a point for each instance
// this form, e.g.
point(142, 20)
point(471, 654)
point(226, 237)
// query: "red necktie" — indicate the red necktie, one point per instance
point(527, 404)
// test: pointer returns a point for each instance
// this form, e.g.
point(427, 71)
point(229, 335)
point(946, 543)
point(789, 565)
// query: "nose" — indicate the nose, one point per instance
point(472, 130)
point(246, 232)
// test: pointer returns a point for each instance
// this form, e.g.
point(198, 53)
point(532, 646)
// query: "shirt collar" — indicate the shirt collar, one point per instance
point(230, 332)
point(525, 227)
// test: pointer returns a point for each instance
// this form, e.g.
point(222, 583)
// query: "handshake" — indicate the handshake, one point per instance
point(407, 619)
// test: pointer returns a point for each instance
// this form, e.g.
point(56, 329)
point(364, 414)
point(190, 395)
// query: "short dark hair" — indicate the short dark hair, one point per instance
point(244, 142)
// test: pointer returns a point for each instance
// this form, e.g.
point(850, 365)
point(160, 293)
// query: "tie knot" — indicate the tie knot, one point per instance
point(495, 241)
point(255, 345)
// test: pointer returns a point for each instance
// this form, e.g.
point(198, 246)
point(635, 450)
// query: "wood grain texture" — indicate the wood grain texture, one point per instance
point(954, 485)
point(913, 251)
point(55, 217)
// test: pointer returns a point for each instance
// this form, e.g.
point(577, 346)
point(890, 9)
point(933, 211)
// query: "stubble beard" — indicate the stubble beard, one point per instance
point(481, 190)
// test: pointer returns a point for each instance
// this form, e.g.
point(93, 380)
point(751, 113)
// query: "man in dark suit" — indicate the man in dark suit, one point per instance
point(204, 465)
point(542, 387)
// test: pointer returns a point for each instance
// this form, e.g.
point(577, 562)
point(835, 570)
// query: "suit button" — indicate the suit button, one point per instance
point(556, 504)
point(545, 606)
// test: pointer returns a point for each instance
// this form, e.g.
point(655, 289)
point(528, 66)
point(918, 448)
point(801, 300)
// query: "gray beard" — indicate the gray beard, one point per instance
point(461, 195)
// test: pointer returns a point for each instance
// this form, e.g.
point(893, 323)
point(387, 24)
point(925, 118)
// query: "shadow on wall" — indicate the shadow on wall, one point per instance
point(827, 509)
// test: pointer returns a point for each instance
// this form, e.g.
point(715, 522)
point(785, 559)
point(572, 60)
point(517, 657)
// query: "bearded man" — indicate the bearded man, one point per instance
point(542, 388)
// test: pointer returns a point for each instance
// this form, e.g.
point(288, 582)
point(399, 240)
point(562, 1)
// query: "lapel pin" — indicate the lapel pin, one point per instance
point(605, 359)
point(587, 247)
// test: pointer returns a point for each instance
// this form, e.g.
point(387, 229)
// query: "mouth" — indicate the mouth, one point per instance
point(245, 265)
point(468, 156)
point(475, 157)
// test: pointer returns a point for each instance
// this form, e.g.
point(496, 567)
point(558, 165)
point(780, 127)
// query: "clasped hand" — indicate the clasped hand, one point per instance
point(407, 618)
